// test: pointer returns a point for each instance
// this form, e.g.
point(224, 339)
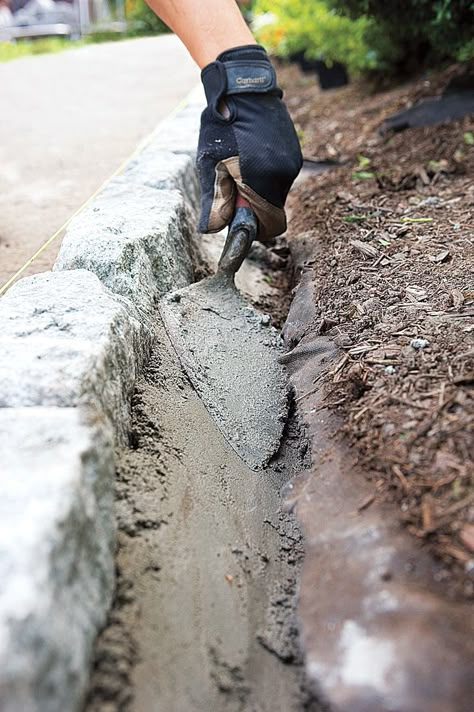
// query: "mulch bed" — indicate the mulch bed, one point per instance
point(394, 268)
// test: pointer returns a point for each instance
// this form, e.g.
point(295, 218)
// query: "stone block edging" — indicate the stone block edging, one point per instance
point(71, 344)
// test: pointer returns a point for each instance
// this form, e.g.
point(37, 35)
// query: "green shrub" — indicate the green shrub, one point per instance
point(466, 52)
point(288, 26)
point(421, 30)
point(389, 36)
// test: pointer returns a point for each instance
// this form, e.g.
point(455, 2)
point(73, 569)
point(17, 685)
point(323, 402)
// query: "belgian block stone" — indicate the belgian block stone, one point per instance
point(164, 170)
point(134, 240)
point(180, 133)
point(56, 553)
point(71, 344)
point(66, 340)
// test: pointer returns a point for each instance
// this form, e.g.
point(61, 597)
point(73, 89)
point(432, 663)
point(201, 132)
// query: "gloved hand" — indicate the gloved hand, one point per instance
point(253, 149)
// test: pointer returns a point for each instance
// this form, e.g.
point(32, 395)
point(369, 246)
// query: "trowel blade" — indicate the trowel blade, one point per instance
point(230, 356)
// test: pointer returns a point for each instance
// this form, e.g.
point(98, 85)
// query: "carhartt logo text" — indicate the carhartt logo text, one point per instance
point(251, 80)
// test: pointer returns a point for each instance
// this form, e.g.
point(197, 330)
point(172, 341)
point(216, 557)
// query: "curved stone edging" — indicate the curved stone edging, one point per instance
point(72, 342)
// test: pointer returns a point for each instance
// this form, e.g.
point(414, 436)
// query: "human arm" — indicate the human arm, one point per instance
point(247, 143)
point(206, 27)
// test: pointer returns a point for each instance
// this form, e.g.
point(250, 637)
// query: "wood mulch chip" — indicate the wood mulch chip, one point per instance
point(395, 279)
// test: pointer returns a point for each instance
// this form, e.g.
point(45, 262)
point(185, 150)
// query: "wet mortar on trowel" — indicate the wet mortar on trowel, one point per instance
point(208, 554)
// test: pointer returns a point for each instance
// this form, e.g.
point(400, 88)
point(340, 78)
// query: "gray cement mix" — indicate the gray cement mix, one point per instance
point(207, 566)
point(229, 351)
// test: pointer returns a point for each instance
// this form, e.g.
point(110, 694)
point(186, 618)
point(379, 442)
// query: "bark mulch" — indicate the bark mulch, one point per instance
point(393, 257)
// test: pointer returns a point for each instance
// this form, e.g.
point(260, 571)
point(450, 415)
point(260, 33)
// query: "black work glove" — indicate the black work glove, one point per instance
point(254, 151)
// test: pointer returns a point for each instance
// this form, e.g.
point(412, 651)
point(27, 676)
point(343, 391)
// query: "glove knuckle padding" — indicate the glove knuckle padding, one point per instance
point(255, 151)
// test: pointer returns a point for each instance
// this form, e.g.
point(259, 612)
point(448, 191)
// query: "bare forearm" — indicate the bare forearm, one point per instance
point(206, 27)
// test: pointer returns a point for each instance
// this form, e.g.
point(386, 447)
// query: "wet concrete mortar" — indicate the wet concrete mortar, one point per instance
point(208, 560)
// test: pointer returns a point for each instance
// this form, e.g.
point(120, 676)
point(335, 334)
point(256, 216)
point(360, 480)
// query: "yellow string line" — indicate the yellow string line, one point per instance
point(143, 144)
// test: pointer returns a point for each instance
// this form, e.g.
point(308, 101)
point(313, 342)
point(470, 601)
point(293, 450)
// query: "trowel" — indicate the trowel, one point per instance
point(229, 351)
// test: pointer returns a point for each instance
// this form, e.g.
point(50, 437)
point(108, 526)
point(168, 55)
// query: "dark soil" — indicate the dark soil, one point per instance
point(389, 237)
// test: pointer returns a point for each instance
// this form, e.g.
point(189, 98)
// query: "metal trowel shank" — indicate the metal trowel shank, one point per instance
point(229, 352)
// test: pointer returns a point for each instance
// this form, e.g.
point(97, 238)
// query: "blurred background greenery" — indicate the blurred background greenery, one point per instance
point(389, 37)
point(140, 20)
point(394, 37)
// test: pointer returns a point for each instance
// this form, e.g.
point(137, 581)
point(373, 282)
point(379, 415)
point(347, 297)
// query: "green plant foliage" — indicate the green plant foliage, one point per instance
point(140, 18)
point(466, 52)
point(421, 30)
point(22, 48)
point(288, 26)
point(390, 36)
point(48, 45)
point(363, 161)
point(362, 175)
point(355, 218)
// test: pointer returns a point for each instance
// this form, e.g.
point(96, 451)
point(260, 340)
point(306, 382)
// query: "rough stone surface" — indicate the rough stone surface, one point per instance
point(56, 553)
point(180, 133)
point(135, 241)
point(66, 340)
point(71, 345)
point(165, 170)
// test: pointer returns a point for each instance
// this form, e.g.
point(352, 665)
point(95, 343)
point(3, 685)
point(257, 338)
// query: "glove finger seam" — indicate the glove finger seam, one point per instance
point(263, 208)
point(221, 210)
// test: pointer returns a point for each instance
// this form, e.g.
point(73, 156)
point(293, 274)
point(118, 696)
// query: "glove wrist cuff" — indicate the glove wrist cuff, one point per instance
point(243, 70)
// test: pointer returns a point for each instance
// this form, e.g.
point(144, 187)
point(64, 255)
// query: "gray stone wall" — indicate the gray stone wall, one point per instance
point(71, 344)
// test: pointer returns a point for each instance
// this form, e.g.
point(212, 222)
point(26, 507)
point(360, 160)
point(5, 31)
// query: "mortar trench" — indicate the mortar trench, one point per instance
point(207, 560)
